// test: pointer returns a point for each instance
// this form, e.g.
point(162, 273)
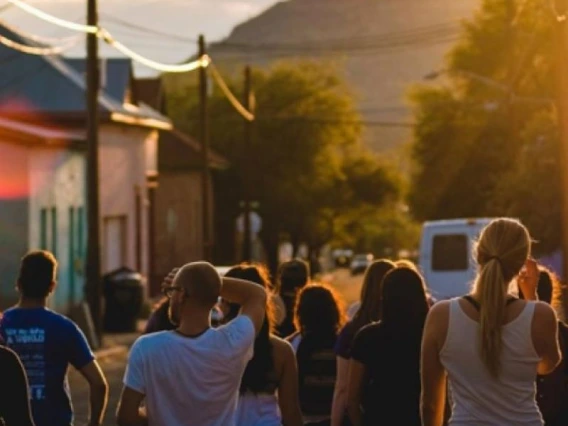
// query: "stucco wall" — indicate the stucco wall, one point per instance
point(14, 191)
point(126, 155)
point(57, 184)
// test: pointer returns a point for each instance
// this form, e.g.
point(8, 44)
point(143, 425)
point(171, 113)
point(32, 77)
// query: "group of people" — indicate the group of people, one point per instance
point(237, 351)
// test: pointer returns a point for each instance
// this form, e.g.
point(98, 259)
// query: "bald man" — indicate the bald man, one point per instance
point(191, 375)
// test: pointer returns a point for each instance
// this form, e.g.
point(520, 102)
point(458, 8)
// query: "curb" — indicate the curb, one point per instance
point(116, 350)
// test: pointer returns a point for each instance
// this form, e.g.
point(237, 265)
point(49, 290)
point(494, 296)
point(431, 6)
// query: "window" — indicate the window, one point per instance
point(54, 231)
point(43, 229)
point(450, 253)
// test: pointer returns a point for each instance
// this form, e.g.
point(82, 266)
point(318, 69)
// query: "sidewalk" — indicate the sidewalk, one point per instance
point(118, 343)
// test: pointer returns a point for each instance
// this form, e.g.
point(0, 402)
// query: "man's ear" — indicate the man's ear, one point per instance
point(52, 286)
point(18, 287)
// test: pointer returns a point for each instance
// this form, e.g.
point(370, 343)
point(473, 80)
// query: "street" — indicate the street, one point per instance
point(113, 366)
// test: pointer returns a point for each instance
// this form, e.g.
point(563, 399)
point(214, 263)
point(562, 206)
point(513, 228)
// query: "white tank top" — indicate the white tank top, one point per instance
point(477, 398)
point(258, 410)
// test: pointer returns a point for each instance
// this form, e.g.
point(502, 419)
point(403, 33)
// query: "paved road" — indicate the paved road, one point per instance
point(346, 285)
point(113, 366)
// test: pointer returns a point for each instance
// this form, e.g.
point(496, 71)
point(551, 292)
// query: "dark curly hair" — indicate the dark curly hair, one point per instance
point(319, 309)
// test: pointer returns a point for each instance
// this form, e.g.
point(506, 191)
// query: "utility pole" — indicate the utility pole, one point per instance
point(204, 137)
point(562, 111)
point(247, 153)
point(93, 264)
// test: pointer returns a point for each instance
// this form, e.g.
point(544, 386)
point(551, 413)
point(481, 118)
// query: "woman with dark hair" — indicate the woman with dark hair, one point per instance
point(269, 387)
point(384, 373)
point(292, 275)
point(319, 316)
point(15, 407)
point(552, 389)
point(369, 311)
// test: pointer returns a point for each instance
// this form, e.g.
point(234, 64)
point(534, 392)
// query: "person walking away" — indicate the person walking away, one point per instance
point(159, 318)
point(191, 375)
point(384, 371)
point(269, 388)
point(368, 312)
point(15, 407)
point(490, 344)
point(47, 343)
point(319, 316)
point(292, 277)
point(552, 389)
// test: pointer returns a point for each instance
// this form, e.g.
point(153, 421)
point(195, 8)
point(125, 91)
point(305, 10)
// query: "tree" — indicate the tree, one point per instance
point(472, 134)
point(307, 165)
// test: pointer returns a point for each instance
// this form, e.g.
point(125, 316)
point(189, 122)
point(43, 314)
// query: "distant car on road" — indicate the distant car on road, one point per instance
point(342, 257)
point(360, 263)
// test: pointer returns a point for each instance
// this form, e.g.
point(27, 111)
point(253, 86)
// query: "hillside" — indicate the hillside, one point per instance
point(383, 45)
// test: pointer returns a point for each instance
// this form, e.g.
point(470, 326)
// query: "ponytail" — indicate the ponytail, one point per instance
point(491, 291)
point(501, 251)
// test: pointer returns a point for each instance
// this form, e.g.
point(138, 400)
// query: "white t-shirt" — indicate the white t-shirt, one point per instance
point(191, 381)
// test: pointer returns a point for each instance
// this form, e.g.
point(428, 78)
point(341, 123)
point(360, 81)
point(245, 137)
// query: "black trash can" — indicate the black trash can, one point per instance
point(124, 296)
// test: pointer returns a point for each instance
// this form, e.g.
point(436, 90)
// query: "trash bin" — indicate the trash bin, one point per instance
point(124, 296)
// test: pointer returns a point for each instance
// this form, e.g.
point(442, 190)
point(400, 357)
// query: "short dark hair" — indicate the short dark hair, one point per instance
point(37, 272)
point(293, 275)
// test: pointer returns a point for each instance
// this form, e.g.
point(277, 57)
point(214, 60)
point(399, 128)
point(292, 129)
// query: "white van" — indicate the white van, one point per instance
point(446, 257)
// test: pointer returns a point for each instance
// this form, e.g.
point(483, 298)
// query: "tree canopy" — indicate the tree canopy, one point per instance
point(485, 138)
point(309, 172)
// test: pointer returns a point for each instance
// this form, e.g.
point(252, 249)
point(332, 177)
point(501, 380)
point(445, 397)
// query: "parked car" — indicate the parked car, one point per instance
point(342, 257)
point(360, 263)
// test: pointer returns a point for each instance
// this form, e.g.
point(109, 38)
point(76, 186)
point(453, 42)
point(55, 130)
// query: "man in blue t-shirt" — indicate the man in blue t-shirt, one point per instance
point(47, 343)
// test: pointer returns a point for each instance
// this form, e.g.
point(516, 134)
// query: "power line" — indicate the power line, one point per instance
point(36, 50)
point(147, 30)
point(229, 95)
point(352, 42)
point(54, 19)
point(181, 68)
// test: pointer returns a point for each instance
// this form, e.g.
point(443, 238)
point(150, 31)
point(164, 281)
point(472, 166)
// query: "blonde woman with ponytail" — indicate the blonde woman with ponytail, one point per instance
point(490, 344)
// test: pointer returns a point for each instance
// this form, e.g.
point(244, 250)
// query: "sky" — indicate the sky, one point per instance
point(185, 18)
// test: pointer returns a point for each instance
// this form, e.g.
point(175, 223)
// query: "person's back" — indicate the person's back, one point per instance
point(14, 394)
point(489, 343)
point(317, 370)
point(478, 398)
point(191, 375)
point(47, 343)
point(192, 379)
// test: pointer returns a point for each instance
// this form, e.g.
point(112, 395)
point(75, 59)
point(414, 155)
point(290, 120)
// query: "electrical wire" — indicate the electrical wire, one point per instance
point(202, 62)
point(145, 30)
point(41, 39)
point(35, 50)
point(91, 29)
point(228, 94)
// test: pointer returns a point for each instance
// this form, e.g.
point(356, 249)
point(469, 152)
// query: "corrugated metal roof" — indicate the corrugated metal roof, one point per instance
point(50, 85)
